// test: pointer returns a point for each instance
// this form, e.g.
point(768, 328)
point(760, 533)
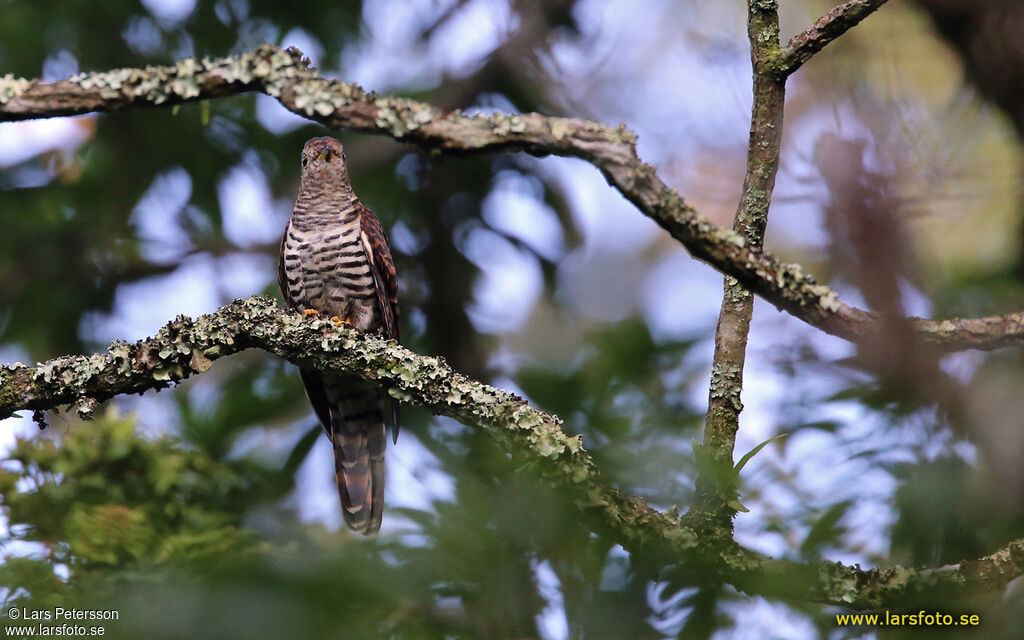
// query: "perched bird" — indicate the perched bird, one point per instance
point(335, 261)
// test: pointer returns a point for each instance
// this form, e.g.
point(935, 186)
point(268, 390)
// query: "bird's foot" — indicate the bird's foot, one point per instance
point(310, 312)
point(336, 321)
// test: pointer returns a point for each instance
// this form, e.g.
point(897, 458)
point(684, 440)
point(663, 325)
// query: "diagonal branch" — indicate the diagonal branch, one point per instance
point(338, 104)
point(284, 75)
point(830, 26)
point(186, 347)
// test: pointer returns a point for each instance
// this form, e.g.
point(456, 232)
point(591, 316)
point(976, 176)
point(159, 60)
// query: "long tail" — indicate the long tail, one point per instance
point(358, 432)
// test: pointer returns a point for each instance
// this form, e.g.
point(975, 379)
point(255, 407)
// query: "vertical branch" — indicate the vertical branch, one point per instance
point(763, 149)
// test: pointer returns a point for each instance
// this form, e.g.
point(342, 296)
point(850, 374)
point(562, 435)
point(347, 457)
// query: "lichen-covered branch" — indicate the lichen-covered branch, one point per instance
point(763, 151)
point(833, 24)
point(892, 587)
point(284, 75)
point(186, 347)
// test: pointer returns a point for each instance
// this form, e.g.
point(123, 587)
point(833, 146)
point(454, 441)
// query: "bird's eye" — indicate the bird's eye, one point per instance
point(344, 156)
point(305, 160)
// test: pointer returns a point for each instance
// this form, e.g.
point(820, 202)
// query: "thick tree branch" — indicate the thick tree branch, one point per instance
point(612, 150)
point(833, 24)
point(185, 347)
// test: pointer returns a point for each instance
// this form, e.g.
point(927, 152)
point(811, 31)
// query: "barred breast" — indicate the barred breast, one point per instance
point(326, 268)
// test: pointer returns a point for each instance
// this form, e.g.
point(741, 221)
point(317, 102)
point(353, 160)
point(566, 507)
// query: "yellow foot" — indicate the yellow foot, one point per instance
point(338, 321)
point(310, 312)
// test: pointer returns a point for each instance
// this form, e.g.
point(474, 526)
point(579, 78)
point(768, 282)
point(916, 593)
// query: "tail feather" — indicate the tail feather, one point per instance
point(358, 432)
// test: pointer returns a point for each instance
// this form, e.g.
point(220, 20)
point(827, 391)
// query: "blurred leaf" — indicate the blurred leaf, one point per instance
point(824, 531)
point(753, 452)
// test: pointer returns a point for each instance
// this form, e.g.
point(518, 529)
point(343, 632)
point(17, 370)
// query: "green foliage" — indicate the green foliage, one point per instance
point(158, 531)
point(725, 476)
point(149, 527)
point(618, 393)
point(105, 498)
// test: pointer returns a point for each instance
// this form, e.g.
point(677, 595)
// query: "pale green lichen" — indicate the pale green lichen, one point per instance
point(187, 87)
point(11, 87)
point(86, 406)
point(526, 418)
point(314, 97)
point(625, 135)
point(827, 298)
point(548, 446)
point(186, 78)
point(502, 125)
point(681, 538)
point(45, 371)
point(188, 67)
point(236, 70)
point(516, 124)
point(724, 373)
point(668, 197)
point(168, 373)
point(499, 124)
point(899, 577)
point(788, 274)
point(842, 583)
point(724, 236)
point(120, 355)
point(641, 172)
point(387, 118)
point(574, 443)
point(560, 128)
point(400, 116)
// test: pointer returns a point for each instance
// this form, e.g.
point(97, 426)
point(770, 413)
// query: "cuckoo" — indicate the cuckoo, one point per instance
point(335, 261)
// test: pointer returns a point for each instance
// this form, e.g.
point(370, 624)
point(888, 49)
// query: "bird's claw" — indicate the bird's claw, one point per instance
point(336, 321)
point(310, 312)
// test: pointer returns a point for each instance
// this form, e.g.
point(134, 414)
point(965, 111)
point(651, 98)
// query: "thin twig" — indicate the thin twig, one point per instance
point(830, 26)
point(763, 151)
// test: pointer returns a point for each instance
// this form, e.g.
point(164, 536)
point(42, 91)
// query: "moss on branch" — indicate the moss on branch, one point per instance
point(750, 222)
point(285, 75)
point(186, 347)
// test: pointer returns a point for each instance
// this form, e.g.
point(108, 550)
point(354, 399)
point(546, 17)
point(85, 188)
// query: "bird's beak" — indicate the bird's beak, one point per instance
point(323, 155)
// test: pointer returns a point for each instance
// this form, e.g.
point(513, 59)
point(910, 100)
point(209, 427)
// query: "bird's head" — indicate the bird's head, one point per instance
point(323, 162)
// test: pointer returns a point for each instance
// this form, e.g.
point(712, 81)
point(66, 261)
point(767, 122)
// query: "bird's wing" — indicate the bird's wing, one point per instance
point(378, 254)
point(375, 244)
point(313, 383)
point(282, 282)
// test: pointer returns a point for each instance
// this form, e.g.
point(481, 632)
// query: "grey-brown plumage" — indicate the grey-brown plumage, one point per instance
point(335, 261)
